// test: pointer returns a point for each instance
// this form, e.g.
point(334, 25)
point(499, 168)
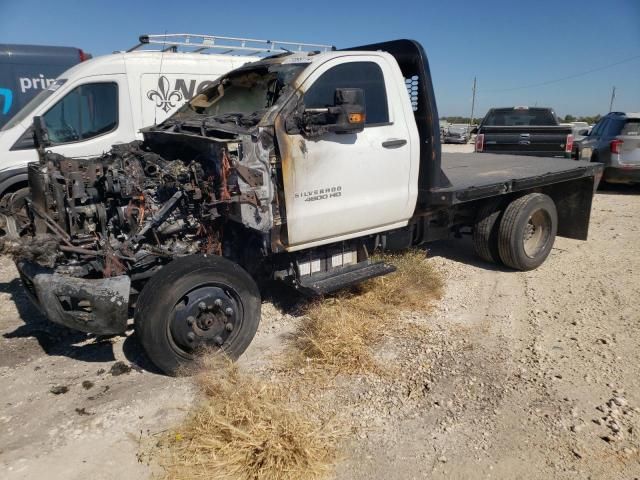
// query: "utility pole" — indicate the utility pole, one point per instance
point(613, 96)
point(473, 104)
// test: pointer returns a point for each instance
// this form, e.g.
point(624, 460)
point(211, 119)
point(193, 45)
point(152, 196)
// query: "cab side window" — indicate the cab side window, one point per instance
point(85, 112)
point(365, 75)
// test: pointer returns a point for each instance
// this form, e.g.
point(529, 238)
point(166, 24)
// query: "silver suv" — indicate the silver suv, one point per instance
point(615, 141)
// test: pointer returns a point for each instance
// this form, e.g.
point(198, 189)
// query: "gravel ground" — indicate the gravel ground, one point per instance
point(521, 375)
point(525, 374)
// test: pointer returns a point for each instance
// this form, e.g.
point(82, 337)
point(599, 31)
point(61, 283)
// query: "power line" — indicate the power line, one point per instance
point(604, 67)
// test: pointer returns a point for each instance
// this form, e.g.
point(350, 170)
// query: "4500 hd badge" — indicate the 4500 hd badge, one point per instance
point(320, 194)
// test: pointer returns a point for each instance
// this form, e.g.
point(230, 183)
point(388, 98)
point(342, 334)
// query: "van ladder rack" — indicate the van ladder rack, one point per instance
point(193, 43)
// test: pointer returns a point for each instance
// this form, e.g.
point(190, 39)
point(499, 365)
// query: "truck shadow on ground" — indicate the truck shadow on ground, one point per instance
point(618, 189)
point(461, 250)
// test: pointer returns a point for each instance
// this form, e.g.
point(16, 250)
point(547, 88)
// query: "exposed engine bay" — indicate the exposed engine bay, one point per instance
point(133, 207)
point(98, 228)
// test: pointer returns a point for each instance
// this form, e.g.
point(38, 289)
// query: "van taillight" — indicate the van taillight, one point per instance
point(615, 145)
point(83, 56)
point(569, 145)
point(480, 142)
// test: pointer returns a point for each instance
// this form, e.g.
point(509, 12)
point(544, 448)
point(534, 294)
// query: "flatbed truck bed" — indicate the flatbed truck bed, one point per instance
point(473, 176)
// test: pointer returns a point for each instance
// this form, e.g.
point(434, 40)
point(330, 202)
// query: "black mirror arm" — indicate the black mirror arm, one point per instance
point(40, 136)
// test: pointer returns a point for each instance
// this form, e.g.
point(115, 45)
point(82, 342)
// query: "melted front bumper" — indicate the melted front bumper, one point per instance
point(99, 306)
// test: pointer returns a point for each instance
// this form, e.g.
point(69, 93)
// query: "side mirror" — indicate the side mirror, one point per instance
point(347, 115)
point(584, 133)
point(474, 130)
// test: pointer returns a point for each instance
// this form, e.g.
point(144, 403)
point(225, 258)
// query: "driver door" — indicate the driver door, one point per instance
point(344, 185)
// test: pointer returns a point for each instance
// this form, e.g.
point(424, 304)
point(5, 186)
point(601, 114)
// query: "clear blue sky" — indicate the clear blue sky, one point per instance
point(505, 43)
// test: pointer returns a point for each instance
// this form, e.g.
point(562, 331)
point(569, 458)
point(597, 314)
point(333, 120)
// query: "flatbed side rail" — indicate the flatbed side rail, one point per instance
point(452, 196)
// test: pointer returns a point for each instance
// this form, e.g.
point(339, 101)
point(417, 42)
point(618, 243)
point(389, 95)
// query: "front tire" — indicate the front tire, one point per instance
point(196, 303)
point(527, 231)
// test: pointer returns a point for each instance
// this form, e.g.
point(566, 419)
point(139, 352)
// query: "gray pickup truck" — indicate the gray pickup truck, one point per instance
point(524, 131)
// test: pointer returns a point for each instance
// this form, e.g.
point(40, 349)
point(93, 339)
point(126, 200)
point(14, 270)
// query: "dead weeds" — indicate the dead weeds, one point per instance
point(250, 429)
point(337, 334)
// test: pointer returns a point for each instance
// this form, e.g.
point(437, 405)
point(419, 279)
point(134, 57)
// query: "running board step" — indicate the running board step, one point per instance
point(321, 284)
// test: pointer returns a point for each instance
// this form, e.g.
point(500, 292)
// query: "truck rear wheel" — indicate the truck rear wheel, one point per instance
point(197, 303)
point(485, 230)
point(527, 231)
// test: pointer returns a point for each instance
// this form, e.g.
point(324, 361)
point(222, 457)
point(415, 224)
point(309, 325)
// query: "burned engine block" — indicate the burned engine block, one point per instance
point(133, 209)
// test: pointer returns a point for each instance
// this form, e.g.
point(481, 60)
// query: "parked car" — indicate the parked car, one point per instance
point(107, 100)
point(615, 142)
point(524, 131)
point(26, 70)
point(287, 169)
point(456, 133)
point(579, 131)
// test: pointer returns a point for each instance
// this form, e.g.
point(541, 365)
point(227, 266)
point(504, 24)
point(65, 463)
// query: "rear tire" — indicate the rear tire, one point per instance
point(194, 303)
point(485, 230)
point(527, 231)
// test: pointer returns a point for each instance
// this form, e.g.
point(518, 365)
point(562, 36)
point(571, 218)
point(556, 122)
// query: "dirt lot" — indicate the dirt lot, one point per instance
point(523, 375)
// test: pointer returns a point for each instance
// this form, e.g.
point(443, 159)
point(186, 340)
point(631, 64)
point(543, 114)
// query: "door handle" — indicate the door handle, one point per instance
point(394, 143)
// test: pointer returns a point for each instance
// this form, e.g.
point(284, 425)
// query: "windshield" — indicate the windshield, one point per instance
point(242, 94)
point(514, 117)
point(28, 109)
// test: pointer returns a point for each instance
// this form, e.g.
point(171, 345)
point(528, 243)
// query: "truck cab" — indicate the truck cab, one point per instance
point(324, 193)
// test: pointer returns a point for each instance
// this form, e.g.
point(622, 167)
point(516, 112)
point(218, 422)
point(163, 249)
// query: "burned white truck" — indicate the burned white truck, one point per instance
point(294, 169)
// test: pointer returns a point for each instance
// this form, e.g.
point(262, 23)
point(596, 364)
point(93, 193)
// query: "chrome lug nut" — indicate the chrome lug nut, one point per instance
point(202, 306)
point(191, 336)
point(218, 303)
point(190, 320)
point(229, 311)
point(229, 326)
point(218, 340)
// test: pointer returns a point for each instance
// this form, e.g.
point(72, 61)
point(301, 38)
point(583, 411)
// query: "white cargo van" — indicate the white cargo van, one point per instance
point(107, 100)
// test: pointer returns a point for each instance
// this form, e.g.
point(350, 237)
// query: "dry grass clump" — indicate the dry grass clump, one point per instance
point(248, 429)
point(337, 334)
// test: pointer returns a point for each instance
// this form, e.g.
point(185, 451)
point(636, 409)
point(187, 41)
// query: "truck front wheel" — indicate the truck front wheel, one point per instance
point(193, 304)
point(527, 231)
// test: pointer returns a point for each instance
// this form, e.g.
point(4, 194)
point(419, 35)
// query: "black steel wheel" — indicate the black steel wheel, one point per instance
point(193, 304)
point(528, 231)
